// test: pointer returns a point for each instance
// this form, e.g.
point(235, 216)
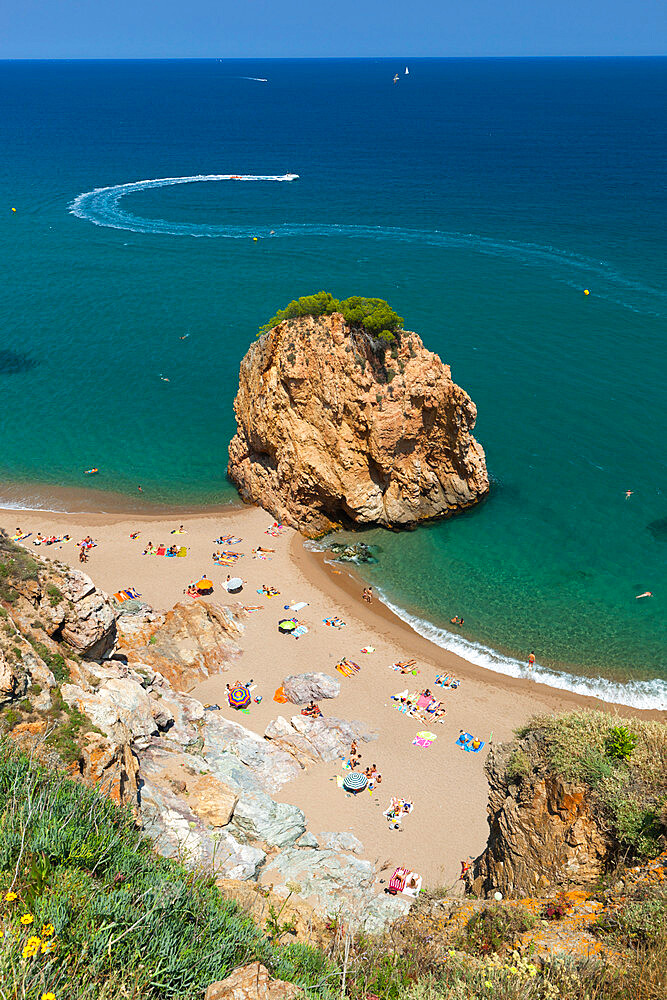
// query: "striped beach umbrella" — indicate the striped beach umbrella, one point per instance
point(239, 697)
point(355, 782)
point(287, 625)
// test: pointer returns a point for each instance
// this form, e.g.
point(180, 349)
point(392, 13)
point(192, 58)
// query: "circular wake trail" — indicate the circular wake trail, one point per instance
point(102, 207)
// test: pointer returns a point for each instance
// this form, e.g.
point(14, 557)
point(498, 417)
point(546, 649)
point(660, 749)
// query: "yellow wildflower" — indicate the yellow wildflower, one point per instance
point(33, 941)
point(10, 897)
point(47, 930)
point(48, 996)
point(30, 950)
point(27, 918)
point(488, 984)
point(47, 946)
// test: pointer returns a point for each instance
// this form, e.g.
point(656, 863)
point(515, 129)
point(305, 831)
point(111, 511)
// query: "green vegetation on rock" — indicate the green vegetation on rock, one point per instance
point(625, 768)
point(116, 919)
point(375, 316)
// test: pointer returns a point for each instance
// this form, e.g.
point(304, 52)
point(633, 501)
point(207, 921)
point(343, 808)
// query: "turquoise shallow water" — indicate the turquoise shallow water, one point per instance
point(479, 196)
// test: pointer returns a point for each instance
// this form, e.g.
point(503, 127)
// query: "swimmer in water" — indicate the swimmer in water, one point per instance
point(647, 593)
point(628, 493)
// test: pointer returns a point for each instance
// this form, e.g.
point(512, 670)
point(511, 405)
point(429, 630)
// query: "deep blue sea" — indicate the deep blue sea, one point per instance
point(480, 197)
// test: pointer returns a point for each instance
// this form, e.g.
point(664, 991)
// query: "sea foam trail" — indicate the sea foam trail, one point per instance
point(102, 207)
point(634, 694)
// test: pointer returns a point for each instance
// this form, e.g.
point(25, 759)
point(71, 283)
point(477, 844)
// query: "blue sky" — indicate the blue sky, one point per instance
point(274, 28)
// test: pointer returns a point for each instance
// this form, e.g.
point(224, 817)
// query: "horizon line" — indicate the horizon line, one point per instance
point(401, 57)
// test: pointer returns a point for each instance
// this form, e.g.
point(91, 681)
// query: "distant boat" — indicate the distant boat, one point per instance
point(407, 71)
point(396, 78)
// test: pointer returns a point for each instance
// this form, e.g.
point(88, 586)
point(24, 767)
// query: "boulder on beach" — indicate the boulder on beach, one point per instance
point(302, 688)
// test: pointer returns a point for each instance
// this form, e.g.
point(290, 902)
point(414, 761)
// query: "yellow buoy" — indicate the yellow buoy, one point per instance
point(254, 239)
point(13, 210)
point(586, 292)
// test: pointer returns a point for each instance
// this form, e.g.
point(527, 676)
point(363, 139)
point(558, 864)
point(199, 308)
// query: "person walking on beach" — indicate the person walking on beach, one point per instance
point(531, 659)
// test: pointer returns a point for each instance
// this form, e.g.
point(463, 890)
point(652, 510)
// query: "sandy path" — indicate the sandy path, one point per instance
point(446, 784)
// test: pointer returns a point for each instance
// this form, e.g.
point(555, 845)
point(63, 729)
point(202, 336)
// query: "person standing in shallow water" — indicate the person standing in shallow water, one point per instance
point(531, 659)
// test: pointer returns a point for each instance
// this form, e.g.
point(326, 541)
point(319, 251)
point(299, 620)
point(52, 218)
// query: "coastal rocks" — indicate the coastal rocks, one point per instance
point(270, 766)
point(212, 800)
point(353, 552)
point(13, 679)
point(180, 833)
point(111, 767)
point(341, 842)
point(339, 885)
point(542, 830)
point(311, 740)
point(89, 626)
point(332, 426)
point(302, 688)
point(253, 982)
point(119, 701)
point(191, 642)
point(258, 818)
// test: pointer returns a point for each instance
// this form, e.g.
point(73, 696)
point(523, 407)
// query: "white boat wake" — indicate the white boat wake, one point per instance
point(102, 206)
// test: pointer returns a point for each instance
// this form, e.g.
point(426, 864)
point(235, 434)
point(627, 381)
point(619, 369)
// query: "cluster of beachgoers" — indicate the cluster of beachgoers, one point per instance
point(342, 631)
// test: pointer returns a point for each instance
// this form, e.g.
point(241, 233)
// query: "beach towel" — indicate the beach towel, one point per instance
point(19, 538)
point(279, 696)
point(135, 534)
point(228, 540)
point(121, 596)
point(463, 739)
point(253, 607)
point(334, 622)
point(297, 606)
point(424, 739)
point(299, 631)
point(161, 551)
point(471, 749)
point(368, 649)
point(182, 552)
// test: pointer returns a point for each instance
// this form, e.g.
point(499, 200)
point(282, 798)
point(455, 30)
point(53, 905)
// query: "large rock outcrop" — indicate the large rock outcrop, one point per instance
point(189, 643)
point(542, 830)
point(331, 428)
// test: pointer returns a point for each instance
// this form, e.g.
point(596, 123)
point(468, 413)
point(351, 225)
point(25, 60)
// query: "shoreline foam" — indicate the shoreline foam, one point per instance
point(638, 695)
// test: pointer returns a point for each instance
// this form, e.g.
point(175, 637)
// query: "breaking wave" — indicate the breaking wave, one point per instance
point(649, 694)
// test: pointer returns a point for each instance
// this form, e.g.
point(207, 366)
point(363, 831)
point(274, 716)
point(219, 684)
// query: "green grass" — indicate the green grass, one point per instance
point(121, 914)
point(625, 766)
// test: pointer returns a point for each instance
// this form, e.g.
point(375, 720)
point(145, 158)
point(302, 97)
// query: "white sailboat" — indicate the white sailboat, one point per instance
point(407, 71)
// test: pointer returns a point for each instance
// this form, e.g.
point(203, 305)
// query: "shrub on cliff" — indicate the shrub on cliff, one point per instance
point(88, 910)
point(375, 316)
point(626, 771)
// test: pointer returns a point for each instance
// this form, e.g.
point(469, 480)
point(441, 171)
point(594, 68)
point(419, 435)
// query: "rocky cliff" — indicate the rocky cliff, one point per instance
point(574, 796)
point(333, 426)
point(542, 831)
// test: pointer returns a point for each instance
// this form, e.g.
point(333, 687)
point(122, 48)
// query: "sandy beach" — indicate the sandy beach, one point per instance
point(446, 784)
